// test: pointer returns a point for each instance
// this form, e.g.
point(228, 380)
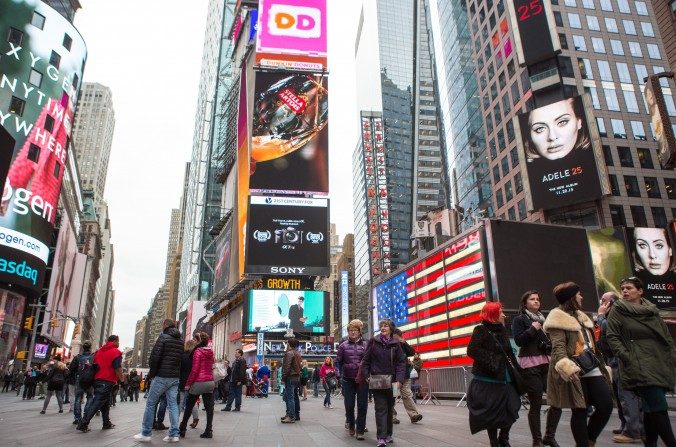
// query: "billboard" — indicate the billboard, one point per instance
point(608, 248)
point(222, 256)
point(292, 34)
point(41, 351)
point(303, 311)
point(559, 148)
point(290, 135)
point(12, 308)
point(535, 30)
point(661, 123)
point(43, 57)
point(197, 320)
point(344, 301)
point(287, 236)
point(243, 161)
point(653, 262)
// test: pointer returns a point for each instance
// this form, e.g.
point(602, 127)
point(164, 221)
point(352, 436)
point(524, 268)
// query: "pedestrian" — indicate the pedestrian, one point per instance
point(134, 385)
point(304, 378)
point(40, 387)
point(316, 380)
point(108, 360)
point(641, 341)
point(577, 377)
point(200, 382)
point(263, 375)
point(534, 356)
point(492, 398)
point(350, 354)
point(69, 388)
point(55, 378)
point(280, 381)
point(19, 379)
point(225, 383)
point(78, 365)
point(186, 368)
point(124, 387)
point(164, 373)
point(291, 366)
point(405, 390)
point(8, 381)
point(383, 365)
point(237, 379)
point(328, 375)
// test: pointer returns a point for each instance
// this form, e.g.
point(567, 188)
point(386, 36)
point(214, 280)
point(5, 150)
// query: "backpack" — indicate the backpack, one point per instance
point(86, 370)
point(55, 377)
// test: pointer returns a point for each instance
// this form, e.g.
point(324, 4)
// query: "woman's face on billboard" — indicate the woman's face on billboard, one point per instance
point(554, 128)
point(652, 250)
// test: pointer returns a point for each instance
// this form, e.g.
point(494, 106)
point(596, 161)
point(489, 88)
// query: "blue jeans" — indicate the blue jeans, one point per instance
point(77, 405)
point(100, 401)
point(235, 395)
point(354, 392)
point(161, 409)
point(327, 396)
point(161, 386)
point(291, 397)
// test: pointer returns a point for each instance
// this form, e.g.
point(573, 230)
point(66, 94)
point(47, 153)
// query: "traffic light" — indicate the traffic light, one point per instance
point(28, 323)
point(54, 322)
point(77, 329)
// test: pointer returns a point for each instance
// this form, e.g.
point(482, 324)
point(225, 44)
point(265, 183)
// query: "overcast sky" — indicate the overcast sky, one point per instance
point(149, 53)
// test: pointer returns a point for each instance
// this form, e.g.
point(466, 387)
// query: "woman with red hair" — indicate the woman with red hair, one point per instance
point(492, 400)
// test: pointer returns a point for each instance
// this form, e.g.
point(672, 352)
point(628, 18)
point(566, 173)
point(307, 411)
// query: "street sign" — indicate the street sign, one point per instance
point(259, 344)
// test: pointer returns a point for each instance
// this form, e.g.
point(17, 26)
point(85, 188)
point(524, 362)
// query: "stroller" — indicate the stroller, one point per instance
point(259, 387)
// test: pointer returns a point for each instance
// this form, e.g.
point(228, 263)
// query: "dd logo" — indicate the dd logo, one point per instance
point(294, 21)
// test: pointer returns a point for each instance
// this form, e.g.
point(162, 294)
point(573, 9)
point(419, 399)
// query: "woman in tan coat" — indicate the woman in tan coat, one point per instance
point(577, 375)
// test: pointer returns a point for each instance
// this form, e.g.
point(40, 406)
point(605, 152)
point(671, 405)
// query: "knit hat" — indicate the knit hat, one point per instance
point(567, 292)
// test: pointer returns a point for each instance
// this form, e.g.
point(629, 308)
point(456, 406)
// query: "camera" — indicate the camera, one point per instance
point(288, 236)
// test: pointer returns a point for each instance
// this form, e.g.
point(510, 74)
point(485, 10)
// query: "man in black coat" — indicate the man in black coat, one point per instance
point(237, 379)
point(296, 318)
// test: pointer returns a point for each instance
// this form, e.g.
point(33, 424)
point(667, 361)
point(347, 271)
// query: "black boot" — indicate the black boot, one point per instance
point(503, 439)
point(553, 417)
point(182, 429)
point(663, 425)
point(207, 434)
point(493, 437)
point(534, 425)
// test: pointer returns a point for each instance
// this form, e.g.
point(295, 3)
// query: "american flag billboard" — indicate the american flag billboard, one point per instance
point(436, 301)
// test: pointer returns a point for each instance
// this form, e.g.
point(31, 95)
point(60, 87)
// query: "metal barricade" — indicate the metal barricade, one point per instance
point(444, 382)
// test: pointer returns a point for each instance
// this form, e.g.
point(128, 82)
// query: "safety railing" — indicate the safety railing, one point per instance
point(444, 382)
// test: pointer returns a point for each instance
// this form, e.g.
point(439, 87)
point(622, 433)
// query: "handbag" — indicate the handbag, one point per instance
point(514, 370)
point(219, 372)
point(198, 388)
point(381, 381)
point(587, 361)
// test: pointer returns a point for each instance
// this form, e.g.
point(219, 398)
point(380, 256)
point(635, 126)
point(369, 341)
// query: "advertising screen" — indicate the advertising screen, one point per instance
point(344, 301)
point(304, 311)
point(526, 256)
point(288, 236)
point(654, 264)
point(536, 38)
point(559, 149)
point(290, 135)
point(43, 56)
point(608, 248)
point(292, 34)
point(223, 252)
point(41, 351)
point(661, 123)
point(243, 166)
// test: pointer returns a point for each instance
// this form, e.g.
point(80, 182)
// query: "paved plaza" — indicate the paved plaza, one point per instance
point(258, 425)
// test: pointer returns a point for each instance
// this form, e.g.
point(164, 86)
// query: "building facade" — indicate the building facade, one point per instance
point(665, 16)
point(66, 8)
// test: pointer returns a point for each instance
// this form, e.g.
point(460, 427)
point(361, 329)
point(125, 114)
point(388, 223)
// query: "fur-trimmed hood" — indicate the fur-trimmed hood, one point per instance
point(559, 319)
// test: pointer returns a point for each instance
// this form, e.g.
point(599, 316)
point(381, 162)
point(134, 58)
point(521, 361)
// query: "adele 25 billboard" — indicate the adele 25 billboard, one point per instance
point(654, 264)
point(287, 236)
point(41, 66)
point(560, 146)
point(290, 135)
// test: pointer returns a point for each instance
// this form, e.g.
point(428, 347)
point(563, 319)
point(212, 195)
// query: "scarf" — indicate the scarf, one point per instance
point(384, 339)
point(535, 317)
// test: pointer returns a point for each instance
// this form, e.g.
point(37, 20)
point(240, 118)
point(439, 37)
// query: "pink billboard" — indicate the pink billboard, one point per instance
point(292, 34)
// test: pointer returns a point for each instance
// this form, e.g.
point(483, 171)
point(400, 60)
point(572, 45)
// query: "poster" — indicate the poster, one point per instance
point(653, 263)
point(279, 310)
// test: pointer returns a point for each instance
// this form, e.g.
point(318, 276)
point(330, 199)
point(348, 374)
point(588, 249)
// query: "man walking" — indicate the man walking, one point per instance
point(78, 365)
point(109, 362)
point(165, 370)
point(291, 378)
point(237, 378)
point(405, 390)
point(8, 381)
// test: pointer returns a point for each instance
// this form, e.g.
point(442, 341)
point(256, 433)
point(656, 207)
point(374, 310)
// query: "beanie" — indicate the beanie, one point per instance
point(563, 294)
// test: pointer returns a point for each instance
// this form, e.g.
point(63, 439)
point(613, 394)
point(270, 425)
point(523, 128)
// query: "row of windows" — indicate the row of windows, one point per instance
point(651, 186)
point(616, 46)
point(607, 5)
point(611, 24)
point(639, 217)
point(512, 212)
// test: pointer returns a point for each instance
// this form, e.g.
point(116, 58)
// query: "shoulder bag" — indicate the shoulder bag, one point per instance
point(514, 370)
point(381, 381)
point(587, 361)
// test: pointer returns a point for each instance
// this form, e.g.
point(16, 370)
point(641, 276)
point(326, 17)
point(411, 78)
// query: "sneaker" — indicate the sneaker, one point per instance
point(389, 440)
point(108, 426)
point(288, 420)
point(61, 410)
point(330, 407)
point(142, 438)
point(159, 426)
point(396, 421)
point(76, 422)
point(347, 426)
point(416, 418)
point(169, 438)
point(359, 437)
point(225, 409)
point(42, 412)
point(83, 428)
point(352, 432)
point(624, 439)
point(236, 409)
point(382, 443)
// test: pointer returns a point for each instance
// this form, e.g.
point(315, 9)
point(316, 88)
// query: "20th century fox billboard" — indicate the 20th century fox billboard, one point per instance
point(42, 57)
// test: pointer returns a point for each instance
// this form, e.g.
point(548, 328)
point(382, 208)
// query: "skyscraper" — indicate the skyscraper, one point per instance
point(66, 8)
point(94, 126)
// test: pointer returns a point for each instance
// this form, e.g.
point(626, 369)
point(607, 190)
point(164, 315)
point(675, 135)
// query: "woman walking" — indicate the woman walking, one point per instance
point(384, 364)
point(350, 354)
point(186, 369)
point(492, 399)
point(55, 378)
point(577, 378)
point(534, 350)
point(327, 373)
point(200, 382)
point(639, 338)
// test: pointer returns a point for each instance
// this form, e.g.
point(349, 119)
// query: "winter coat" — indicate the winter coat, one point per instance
point(349, 357)
point(291, 365)
point(238, 371)
point(488, 355)
point(134, 381)
point(165, 358)
point(325, 369)
point(202, 366)
point(186, 368)
point(526, 337)
point(56, 376)
point(384, 358)
point(564, 389)
point(641, 341)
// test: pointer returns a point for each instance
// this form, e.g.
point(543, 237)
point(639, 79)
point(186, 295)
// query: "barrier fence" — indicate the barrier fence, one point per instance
point(444, 382)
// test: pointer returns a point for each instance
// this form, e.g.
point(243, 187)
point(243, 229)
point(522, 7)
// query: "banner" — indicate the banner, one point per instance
point(661, 123)
point(608, 248)
point(243, 160)
point(223, 253)
point(654, 264)
point(41, 64)
point(290, 136)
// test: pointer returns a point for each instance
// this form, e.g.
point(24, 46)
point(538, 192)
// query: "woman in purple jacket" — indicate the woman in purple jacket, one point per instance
point(384, 356)
point(350, 353)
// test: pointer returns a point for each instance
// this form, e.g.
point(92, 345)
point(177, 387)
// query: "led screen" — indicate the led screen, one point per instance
point(303, 311)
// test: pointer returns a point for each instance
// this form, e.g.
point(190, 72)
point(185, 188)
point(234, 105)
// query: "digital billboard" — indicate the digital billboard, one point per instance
point(661, 123)
point(292, 35)
point(535, 35)
point(222, 257)
point(303, 311)
point(41, 350)
point(559, 148)
point(43, 57)
point(608, 248)
point(290, 134)
point(654, 264)
point(344, 301)
point(243, 167)
point(287, 236)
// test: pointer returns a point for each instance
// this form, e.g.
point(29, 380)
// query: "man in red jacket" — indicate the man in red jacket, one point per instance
point(108, 360)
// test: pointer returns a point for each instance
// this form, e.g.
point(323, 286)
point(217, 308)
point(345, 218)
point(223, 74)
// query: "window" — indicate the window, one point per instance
point(594, 97)
point(631, 185)
point(670, 186)
point(623, 72)
point(509, 193)
point(653, 51)
point(518, 183)
point(49, 124)
point(14, 36)
point(521, 206)
point(624, 6)
point(57, 169)
point(515, 92)
point(618, 128)
point(588, 4)
point(638, 130)
point(597, 44)
point(664, 82)
point(514, 155)
point(67, 41)
point(652, 188)
point(616, 46)
point(558, 19)
point(614, 187)
point(602, 126)
point(504, 163)
point(611, 99)
point(511, 214)
point(617, 216)
point(611, 25)
point(630, 101)
point(604, 70)
point(55, 59)
point(585, 68)
point(570, 3)
point(638, 216)
point(510, 137)
point(16, 106)
point(593, 23)
point(579, 43)
point(635, 49)
point(626, 160)
point(606, 5)
point(565, 67)
point(659, 217)
point(499, 201)
point(34, 153)
point(607, 155)
point(647, 29)
point(563, 41)
point(38, 20)
point(641, 73)
point(641, 8)
point(35, 78)
point(574, 21)
point(496, 174)
point(629, 27)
